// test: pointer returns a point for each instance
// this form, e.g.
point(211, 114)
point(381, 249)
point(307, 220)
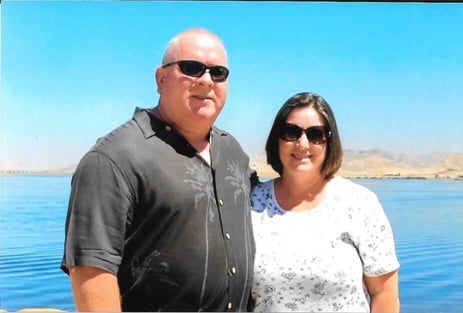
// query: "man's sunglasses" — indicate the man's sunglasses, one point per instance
point(197, 69)
point(315, 134)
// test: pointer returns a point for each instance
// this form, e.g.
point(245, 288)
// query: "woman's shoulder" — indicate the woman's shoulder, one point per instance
point(261, 194)
point(262, 186)
point(346, 188)
point(352, 198)
point(263, 198)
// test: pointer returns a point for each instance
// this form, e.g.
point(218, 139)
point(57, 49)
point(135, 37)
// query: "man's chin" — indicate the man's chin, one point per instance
point(205, 113)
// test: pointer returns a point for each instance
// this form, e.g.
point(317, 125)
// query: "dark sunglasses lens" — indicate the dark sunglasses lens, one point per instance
point(290, 132)
point(316, 134)
point(219, 73)
point(192, 68)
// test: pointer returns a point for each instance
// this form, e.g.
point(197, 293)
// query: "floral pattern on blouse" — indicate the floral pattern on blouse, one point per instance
point(314, 260)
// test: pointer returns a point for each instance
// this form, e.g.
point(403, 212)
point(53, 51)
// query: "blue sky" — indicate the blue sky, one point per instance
point(73, 71)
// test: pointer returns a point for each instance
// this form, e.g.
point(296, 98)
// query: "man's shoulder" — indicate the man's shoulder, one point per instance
point(228, 142)
point(123, 147)
point(117, 135)
point(224, 135)
point(220, 132)
point(125, 138)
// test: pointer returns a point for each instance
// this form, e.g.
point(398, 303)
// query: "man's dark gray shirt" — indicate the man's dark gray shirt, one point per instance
point(176, 231)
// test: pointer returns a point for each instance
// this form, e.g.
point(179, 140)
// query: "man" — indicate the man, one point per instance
point(159, 216)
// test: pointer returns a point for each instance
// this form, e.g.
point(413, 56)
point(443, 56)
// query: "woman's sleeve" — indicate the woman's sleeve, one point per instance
point(377, 246)
point(258, 199)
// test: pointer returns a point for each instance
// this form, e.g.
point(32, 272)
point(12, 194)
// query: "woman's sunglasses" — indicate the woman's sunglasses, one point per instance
point(315, 134)
point(197, 69)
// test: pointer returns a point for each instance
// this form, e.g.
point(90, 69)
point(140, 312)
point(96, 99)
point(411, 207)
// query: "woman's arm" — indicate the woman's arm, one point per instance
point(94, 289)
point(384, 292)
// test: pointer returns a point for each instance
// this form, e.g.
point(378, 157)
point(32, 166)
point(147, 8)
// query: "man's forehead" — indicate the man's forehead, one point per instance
point(205, 41)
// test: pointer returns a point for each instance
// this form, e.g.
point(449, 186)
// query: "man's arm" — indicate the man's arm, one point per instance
point(94, 289)
point(384, 292)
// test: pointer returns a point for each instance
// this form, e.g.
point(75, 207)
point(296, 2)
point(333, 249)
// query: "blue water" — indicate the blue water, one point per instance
point(426, 215)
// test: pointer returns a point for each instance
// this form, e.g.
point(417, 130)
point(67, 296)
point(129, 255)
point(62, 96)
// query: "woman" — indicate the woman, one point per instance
point(323, 242)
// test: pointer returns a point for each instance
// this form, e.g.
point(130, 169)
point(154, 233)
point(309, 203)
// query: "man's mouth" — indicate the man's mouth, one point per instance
point(202, 97)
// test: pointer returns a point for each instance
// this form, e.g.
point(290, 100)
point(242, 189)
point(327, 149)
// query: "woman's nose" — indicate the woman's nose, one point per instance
point(303, 141)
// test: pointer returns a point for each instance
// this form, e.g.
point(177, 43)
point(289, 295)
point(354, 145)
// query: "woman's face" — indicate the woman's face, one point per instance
point(302, 156)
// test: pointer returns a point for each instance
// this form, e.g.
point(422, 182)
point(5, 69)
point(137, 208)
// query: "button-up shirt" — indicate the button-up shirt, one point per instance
point(176, 231)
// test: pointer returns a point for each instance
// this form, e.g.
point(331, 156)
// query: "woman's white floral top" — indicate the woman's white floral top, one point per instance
point(314, 260)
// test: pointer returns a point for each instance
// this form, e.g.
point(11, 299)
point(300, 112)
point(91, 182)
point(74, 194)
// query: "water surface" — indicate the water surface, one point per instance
point(426, 216)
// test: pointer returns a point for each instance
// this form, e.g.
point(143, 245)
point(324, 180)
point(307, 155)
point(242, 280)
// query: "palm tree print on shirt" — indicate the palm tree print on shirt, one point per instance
point(237, 180)
point(201, 182)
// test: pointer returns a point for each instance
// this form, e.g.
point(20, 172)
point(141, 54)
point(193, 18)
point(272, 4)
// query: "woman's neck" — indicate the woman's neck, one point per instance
point(298, 193)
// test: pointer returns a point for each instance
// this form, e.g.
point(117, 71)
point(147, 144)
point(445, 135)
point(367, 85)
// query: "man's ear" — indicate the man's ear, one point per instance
point(160, 77)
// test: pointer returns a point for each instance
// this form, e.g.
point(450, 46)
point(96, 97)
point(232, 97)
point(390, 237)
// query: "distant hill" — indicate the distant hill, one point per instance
point(385, 164)
point(356, 163)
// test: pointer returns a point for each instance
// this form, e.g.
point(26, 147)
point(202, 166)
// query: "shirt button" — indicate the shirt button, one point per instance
point(168, 127)
point(229, 305)
point(221, 202)
point(233, 270)
point(228, 236)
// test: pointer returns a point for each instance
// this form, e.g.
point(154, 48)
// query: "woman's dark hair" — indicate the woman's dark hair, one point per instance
point(333, 158)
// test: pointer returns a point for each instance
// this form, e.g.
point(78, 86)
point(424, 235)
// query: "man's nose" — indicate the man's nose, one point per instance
point(205, 79)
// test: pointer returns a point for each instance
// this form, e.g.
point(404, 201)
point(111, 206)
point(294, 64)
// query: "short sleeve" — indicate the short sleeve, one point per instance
point(377, 246)
point(97, 215)
point(259, 195)
point(263, 199)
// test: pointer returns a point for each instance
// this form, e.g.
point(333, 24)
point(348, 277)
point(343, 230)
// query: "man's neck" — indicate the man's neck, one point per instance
point(199, 138)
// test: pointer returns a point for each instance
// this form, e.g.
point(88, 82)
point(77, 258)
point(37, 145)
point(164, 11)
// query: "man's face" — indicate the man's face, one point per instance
point(185, 100)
